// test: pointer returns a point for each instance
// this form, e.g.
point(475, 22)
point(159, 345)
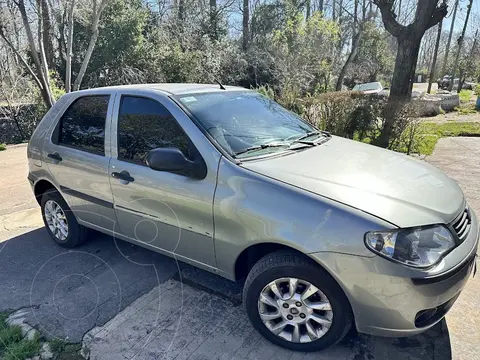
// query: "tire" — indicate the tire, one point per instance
point(76, 233)
point(286, 264)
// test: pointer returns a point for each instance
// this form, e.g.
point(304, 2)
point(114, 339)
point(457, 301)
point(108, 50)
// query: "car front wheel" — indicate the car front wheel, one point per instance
point(296, 304)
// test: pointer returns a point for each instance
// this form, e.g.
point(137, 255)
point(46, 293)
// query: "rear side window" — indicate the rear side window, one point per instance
point(83, 124)
point(145, 124)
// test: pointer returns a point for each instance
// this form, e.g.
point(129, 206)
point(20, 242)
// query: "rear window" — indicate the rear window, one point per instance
point(82, 126)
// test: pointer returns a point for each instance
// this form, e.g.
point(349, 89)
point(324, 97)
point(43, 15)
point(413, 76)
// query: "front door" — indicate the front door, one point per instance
point(77, 158)
point(162, 210)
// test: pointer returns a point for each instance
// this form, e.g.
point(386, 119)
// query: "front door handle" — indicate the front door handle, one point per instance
point(123, 175)
point(55, 156)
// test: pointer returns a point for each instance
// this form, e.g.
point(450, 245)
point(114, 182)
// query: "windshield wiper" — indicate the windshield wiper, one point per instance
point(259, 147)
point(311, 133)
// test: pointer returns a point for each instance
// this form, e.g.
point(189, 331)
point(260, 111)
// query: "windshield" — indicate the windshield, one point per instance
point(242, 120)
point(368, 87)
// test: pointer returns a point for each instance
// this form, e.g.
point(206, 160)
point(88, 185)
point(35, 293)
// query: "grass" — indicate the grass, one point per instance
point(12, 344)
point(65, 349)
point(465, 96)
point(3, 147)
point(429, 133)
point(466, 109)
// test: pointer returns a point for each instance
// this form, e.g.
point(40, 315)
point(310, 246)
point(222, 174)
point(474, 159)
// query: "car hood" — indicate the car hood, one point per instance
point(392, 186)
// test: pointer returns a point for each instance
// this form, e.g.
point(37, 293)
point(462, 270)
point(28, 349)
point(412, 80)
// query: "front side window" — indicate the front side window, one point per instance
point(242, 120)
point(145, 124)
point(82, 126)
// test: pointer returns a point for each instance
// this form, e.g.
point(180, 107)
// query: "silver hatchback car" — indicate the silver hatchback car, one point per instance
point(327, 233)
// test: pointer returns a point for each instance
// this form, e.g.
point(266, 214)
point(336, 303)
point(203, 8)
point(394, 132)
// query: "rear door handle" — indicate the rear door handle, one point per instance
point(123, 175)
point(55, 156)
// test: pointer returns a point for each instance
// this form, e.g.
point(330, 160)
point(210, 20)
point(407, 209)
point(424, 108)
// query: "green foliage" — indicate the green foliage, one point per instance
point(477, 90)
point(465, 95)
point(3, 147)
point(63, 347)
point(375, 58)
point(431, 132)
point(22, 349)
point(12, 344)
point(266, 91)
point(122, 54)
point(303, 53)
point(347, 114)
point(467, 109)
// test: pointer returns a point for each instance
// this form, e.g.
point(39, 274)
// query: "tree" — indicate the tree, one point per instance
point(245, 20)
point(69, 46)
point(97, 10)
point(428, 14)
point(435, 54)
point(460, 44)
point(450, 34)
point(41, 47)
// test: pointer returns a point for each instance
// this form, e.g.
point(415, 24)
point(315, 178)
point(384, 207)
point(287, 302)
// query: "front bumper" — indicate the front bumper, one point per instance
point(388, 299)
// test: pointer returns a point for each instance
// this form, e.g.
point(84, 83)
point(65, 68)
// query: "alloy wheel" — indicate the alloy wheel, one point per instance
point(56, 220)
point(295, 310)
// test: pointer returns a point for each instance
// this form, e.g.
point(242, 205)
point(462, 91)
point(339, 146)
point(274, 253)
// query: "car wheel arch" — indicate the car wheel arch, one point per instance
point(253, 253)
point(41, 187)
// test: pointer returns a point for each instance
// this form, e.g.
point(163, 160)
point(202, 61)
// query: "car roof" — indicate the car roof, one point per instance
point(168, 88)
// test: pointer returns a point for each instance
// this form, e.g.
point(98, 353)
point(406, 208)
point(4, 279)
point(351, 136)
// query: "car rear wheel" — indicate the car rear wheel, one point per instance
point(296, 304)
point(60, 222)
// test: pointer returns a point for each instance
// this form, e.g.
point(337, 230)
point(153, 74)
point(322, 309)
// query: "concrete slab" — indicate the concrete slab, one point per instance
point(16, 194)
point(459, 157)
point(176, 321)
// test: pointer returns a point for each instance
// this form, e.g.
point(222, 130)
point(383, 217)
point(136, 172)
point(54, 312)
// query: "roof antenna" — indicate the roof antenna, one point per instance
point(219, 83)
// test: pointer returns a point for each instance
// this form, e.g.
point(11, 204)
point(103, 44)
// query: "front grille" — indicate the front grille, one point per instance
point(461, 225)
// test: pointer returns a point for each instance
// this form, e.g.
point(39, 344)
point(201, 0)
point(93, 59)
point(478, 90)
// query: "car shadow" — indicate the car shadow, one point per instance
point(65, 293)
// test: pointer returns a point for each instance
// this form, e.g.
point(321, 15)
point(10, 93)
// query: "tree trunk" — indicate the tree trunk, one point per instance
point(434, 61)
point(405, 66)
point(355, 13)
point(461, 78)
point(86, 59)
point(308, 9)
point(246, 18)
point(68, 58)
point(213, 20)
point(460, 43)
point(351, 56)
point(334, 13)
point(402, 83)
point(47, 34)
point(97, 13)
point(41, 49)
point(399, 10)
point(181, 12)
point(449, 41)
point(45, 89)
point(320, 6)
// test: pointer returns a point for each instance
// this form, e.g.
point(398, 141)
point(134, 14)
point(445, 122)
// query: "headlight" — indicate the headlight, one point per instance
point(418, 247)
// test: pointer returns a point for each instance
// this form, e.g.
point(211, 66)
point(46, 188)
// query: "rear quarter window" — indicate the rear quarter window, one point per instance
point(82, 126)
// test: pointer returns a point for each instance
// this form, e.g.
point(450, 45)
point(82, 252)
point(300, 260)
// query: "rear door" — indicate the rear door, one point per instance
point(163, 210)
point(77, 159)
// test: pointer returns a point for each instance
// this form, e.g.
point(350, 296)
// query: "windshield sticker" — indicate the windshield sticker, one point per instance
point(188, 99)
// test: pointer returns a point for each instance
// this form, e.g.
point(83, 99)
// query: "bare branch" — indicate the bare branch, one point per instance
point(24, 62)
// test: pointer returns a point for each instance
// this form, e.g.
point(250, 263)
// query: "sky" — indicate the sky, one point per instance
point(474, 21)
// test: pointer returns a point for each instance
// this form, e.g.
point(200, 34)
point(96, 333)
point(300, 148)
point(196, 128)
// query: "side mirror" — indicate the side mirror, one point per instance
point(173, 160)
